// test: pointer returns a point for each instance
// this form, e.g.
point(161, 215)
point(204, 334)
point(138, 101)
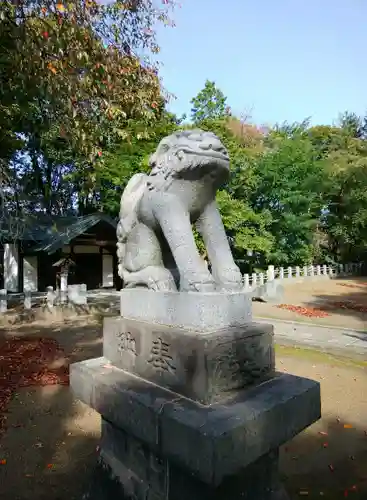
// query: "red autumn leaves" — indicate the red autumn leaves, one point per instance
point(310, 312)
point(322, 312)
point(28, 362)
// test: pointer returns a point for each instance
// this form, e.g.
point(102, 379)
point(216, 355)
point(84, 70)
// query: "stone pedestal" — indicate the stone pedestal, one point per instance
point(191, 310)
point(191, 414)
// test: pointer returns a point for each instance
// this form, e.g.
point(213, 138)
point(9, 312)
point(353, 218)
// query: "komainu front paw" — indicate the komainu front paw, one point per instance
point(200, 282)
point(230, 279)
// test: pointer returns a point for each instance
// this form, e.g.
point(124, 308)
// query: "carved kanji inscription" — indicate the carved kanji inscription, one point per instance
point(126, 342)
point(242, 363)
point(160, 357)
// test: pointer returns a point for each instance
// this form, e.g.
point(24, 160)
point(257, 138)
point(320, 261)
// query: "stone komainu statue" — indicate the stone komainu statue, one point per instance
point(156, 247)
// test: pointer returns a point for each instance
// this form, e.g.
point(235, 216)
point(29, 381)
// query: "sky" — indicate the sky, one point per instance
point(276, 60)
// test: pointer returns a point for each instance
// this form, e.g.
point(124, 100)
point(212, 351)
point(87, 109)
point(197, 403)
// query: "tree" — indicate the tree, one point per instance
point(246, 228)
point(74, 64)
point(297, 194)
point(291, 185)
point(352, 124)
point(344, 151)
point(346, 218)
point(71, 82)
point(124, 160)
point(209, 104)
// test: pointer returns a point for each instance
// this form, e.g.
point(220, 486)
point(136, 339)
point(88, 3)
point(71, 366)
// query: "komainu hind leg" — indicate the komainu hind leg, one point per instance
point(152, 277)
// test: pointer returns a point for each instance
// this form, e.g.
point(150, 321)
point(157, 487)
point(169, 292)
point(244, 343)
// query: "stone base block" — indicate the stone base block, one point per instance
point(271, 291)
point(195, 311)
point(145, 475)
point(210, 443)
point(112, 479)
point(200, 366)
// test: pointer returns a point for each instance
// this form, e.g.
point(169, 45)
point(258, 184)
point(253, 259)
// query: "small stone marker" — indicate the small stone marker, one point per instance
point(50, 297)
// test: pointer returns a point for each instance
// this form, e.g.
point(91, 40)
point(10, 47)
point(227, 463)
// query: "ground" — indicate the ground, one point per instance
point(343, 300)
point(48, 442)
point(329, 459)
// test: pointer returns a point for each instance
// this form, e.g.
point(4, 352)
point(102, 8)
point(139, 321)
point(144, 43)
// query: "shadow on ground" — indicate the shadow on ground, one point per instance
point(49, 448)
point(79, 338)
point(329, 464)
point(353, 302)
point(319, 293)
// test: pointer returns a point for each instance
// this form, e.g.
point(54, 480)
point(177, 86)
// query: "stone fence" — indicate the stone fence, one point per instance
point(288, 273)
point(74, 297)
point(78, 295)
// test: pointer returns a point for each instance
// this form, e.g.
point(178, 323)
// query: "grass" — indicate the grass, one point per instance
point(310, 354)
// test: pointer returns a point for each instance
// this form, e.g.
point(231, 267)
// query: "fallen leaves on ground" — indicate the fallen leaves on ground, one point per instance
point(324, 310)
point(310, 312)
point(26, 362)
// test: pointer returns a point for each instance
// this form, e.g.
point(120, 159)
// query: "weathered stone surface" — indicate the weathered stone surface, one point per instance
point(200, 366)
point(156, 247)
point(147, 476)
point(211, 442)
point(112, 479)
point(204, 311)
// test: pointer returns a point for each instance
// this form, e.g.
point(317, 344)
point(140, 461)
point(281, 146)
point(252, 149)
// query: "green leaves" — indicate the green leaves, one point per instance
point(247, 229)
point(56, 55)
point(70, 86)
point(210, 103)
point(297, 193)
point(127, 158)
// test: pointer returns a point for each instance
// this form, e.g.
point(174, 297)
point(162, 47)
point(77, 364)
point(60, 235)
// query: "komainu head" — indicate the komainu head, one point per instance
point(190, 155)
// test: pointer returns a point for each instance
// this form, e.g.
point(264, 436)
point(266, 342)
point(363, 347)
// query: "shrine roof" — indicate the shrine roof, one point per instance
point(51, 233)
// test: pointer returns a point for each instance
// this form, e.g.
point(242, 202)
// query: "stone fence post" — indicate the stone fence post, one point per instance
point(246, 281)
point(289, 272)
point(50, 297)
point(281, 273)
point(253, 280)
point(3, 301)
point(270, 274)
